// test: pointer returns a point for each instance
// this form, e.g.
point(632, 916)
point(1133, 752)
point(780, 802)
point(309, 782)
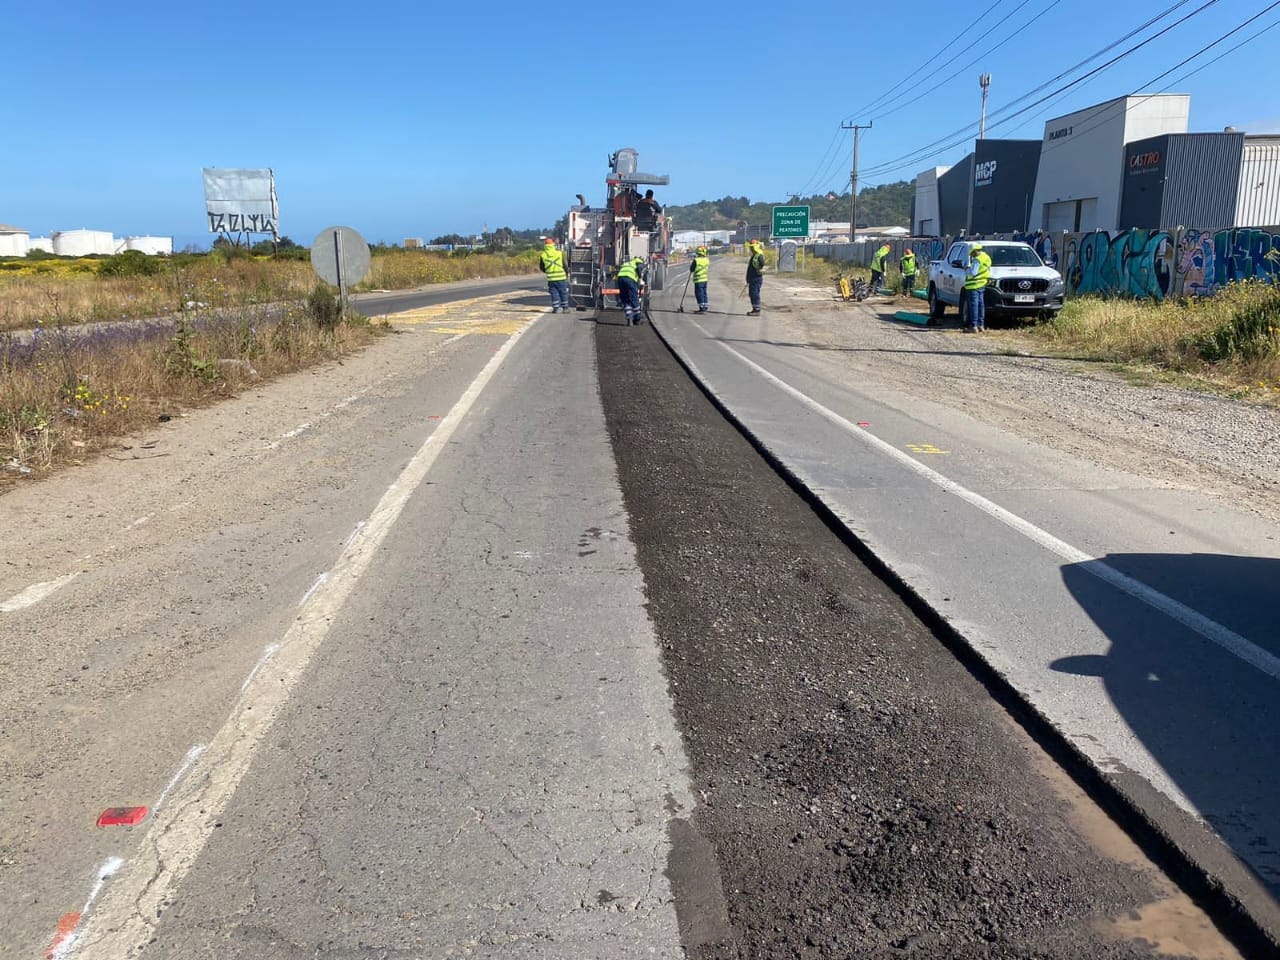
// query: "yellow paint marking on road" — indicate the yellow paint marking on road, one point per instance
point(925, 448)
point(494, 315)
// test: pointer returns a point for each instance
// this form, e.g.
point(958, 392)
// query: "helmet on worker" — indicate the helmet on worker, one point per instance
point(548, 241)
point(973, 251)
point(702, 249)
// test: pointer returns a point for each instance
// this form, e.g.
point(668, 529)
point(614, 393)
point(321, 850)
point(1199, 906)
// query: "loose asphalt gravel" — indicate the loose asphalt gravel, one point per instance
point(863, 793)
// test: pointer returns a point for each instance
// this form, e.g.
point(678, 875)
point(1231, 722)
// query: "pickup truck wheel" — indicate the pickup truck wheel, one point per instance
point(963, 309)
point(936, 306)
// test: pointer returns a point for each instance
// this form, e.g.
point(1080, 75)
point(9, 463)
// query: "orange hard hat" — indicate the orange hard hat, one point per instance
point(547, 240)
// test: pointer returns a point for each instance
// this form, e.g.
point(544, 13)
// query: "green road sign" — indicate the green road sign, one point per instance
point(791, 221)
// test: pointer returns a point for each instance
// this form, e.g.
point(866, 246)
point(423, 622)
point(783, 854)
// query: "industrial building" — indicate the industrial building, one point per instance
point(926, 209)
point(1004, 185)
point(1126, 163)
point(1080, 176)
point(1212, 181)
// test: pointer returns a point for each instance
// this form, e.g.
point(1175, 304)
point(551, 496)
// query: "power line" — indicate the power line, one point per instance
point(924, 152)
point(964, 131)
point(1177, 66)
point(880, 99)
point(985, 53)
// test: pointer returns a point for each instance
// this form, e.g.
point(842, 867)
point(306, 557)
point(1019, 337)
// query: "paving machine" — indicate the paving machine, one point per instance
point(600, 239)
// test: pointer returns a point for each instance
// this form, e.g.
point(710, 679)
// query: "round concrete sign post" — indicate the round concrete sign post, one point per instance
point(341, 257)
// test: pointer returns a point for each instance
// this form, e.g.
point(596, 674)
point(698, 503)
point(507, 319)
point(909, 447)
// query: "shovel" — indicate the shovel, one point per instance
point(680, 309)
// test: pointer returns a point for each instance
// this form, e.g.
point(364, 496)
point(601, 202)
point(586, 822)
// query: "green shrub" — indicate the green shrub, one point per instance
point(323, 308)
point(1251, 333)
point(130, 263)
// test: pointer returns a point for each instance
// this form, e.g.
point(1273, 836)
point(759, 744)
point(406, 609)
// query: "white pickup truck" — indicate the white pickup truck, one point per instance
point(1020, 284)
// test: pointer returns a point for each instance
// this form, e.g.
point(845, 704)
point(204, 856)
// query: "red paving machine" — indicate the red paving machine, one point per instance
point(600, 239)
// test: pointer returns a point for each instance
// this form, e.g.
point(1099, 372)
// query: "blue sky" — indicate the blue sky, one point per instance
point(417, 119)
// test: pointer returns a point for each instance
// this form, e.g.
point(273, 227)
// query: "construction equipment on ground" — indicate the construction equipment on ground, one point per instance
point(601, 239)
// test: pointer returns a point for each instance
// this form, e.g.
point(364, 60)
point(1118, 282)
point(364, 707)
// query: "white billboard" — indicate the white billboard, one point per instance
point(241, 200)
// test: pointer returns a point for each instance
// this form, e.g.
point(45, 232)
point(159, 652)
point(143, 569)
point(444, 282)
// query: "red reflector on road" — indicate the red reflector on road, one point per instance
point(863, 423)
point(122, 816)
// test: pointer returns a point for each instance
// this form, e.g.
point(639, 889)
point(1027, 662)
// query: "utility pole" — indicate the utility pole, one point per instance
point(984, 81)
point(853, 198)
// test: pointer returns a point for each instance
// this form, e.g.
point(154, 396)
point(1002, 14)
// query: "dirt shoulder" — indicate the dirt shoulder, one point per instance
point(1228, 448)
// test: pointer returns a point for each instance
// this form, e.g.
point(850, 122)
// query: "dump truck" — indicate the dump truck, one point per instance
point(600, 239)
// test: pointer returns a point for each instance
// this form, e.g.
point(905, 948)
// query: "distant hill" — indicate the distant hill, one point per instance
point(884, 206)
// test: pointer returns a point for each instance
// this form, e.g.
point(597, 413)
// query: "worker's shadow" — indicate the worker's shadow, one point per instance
point(1207, 717)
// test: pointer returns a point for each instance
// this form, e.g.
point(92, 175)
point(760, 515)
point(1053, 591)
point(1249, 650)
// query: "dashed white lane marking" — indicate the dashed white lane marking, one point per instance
point(35, 593)
point(1211, 630)
point(132, 905)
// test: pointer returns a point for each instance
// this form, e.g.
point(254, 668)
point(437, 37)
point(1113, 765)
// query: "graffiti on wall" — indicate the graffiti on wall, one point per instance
point(1128, 263)
point(1143, 264)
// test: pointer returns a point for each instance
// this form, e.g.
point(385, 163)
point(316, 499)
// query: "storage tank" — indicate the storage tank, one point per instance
point(14, 241)
point(153, 246)
point(83, 243)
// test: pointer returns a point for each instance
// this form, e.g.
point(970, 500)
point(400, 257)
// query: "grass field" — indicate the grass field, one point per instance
point(72, 291)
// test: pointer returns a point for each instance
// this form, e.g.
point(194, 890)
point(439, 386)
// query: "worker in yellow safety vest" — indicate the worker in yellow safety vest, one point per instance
point(909, 270)
point(877, 267)
point(551, 262)
point(975, 289)
point(700, 270)
point(629, 275)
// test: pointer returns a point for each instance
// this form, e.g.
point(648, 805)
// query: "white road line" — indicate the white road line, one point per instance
point(192, 756)
point(105, 872)
point(128, 915)
point(35, 593)
point(314, 587)
point(1211, 630)
point(267, 654)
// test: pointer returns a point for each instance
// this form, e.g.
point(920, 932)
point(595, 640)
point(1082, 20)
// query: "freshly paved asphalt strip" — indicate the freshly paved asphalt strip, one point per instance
point(864, 795)
point(1156, 665)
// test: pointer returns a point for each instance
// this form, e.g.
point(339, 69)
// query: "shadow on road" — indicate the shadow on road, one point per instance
point(1206, 716)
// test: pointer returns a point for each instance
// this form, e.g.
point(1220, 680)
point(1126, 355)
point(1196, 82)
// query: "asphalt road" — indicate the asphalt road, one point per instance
point(497, 640)
point(384, 302)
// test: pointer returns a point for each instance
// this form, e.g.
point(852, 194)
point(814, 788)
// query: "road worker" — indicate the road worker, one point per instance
point(755, 275)
point(975, 289)
point(551, 262)
point(700, 270)
point(877, 267)
point(909, 270)
point(629, 288)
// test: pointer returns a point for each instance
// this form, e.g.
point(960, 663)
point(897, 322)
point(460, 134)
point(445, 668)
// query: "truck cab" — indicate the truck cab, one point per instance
point(1020, 285)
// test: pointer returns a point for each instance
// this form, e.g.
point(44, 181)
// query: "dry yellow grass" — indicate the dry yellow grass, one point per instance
point(1230, 341)
point(66, 392)
point(75, 291)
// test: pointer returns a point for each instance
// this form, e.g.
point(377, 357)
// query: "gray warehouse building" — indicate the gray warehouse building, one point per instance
point(1212, 181)
point(1004, 185)
point(955, 194)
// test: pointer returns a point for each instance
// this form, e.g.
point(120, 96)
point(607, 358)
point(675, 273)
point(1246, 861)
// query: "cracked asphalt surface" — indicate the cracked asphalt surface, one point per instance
point(863, 793)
